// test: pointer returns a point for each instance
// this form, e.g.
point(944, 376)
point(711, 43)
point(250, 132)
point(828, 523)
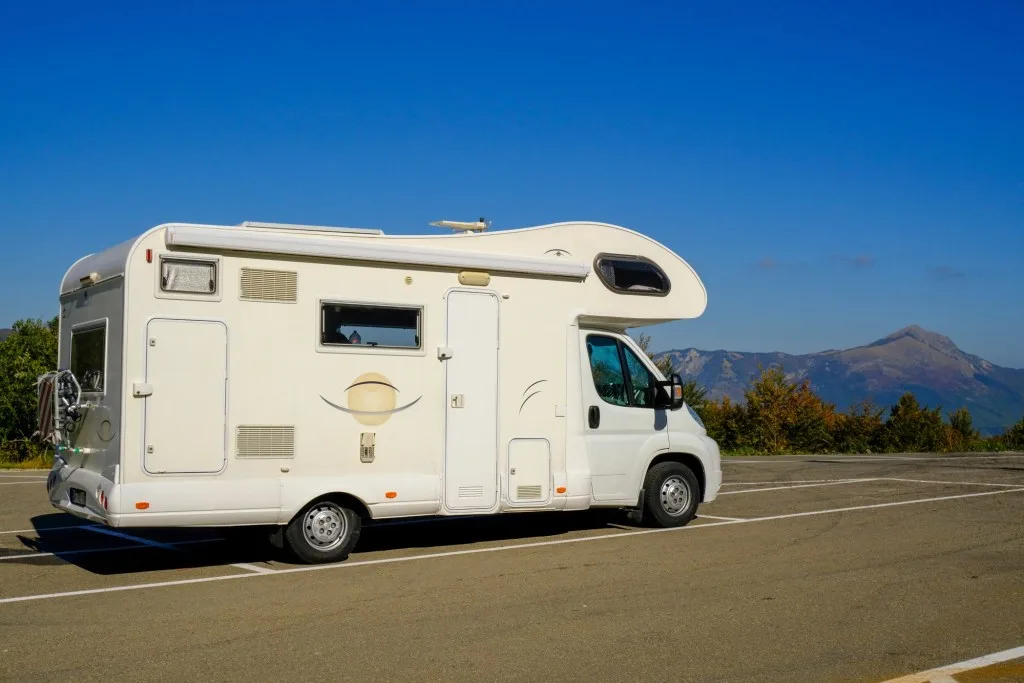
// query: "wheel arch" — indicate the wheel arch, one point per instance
point(342, 498)
point(689, 460)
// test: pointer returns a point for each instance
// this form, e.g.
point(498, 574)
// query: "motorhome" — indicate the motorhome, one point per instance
point(314, 380)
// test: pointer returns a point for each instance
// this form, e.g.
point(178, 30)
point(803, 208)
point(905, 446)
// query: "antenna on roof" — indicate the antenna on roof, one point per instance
point(463, 226)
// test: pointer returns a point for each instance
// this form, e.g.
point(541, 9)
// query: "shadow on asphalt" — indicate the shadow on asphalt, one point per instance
point(195, 548)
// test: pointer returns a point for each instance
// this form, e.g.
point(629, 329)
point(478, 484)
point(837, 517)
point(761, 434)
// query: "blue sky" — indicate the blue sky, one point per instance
point(832, 171)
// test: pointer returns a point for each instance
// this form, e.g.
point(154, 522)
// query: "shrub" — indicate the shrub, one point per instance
point(28, 352)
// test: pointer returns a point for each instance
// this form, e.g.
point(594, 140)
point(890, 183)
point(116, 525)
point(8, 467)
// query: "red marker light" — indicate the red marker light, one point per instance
point(149, 256)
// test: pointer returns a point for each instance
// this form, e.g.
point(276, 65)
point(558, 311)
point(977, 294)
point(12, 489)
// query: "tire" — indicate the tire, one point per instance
point(671, 495)
point(323, 531)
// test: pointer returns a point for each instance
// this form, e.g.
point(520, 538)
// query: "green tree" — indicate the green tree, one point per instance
point(726, 423)
point(912, 428)
point(28, 352)
point(961, 434)
point(1014, 436)
point(768, 401)
point(857, 430)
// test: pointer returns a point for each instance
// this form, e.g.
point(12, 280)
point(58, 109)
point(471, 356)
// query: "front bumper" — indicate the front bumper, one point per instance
point(713, 473)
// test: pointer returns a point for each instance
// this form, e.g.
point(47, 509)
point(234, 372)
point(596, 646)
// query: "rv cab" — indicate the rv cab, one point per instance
point(314, 380)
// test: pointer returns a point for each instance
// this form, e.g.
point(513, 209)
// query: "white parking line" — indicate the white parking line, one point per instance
point(89, 551)
point(254, 568)
point(495, 549)
point(15, 483)
point(34, 477)
point(44, 529)
point(770, 459)
point(961, 483)
point(787, 481)
point(799, 486)
point(724, 519)
point(946, 673)
point(134, 539)
point(166, 546)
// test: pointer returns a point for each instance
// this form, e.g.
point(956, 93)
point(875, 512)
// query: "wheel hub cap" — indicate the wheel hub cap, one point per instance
point(675, 496)
point(324, 526)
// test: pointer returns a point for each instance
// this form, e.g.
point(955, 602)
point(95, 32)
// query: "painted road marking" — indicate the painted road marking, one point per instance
point(798, 486)
point(89, 551)
point(45, 529)
point(961, 483)
point(135, 539)
point(779, 481)
point(167, 546)
point(768, 460)
point(494, 549)
point(254, 568)
point(725, 519)
point(15, 483)
point(945, 673)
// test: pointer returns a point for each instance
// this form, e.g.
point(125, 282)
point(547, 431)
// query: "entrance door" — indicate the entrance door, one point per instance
point(471, 420)
point(186, 367)
point(621, 422)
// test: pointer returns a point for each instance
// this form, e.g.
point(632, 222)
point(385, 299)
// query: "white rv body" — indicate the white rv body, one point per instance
point(240, 400)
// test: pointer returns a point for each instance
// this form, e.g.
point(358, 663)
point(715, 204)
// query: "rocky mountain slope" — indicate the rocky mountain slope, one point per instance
point(912, 359)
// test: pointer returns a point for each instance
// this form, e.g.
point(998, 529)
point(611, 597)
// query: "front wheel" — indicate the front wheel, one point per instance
point(671, 494)
point(324, 531)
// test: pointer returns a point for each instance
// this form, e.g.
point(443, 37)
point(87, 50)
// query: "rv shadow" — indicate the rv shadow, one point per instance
point(453, 531)
point(55, 545)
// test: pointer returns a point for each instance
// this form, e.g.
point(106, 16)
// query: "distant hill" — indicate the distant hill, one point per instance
point(912, 359)
point(5, 333)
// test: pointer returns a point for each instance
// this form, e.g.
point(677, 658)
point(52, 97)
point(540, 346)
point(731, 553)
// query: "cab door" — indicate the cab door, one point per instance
point(621, 423)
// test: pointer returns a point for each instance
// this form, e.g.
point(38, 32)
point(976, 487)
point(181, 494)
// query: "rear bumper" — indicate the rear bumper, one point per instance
point(101, 494)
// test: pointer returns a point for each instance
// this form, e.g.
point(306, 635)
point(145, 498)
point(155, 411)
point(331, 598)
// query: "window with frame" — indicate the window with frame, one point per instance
point(188, 276)
point(631, 274)
point(88, 358)
point(394, 327)
point(620, 377)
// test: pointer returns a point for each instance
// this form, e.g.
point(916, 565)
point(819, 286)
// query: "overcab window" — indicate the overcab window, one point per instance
point(631, 274)
point(370, 325)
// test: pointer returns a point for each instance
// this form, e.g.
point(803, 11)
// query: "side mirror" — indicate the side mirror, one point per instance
point(670, 393)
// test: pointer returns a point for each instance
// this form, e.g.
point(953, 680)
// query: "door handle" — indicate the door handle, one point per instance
point(594, 417)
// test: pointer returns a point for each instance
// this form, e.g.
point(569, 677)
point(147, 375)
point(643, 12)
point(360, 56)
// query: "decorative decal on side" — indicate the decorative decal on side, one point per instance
point(531, 395)
point(371, 399)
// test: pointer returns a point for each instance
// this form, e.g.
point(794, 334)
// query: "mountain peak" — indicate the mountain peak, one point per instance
point(919, 334)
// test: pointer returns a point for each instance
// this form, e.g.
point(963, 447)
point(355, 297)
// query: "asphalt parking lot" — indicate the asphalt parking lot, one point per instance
point(813, 568)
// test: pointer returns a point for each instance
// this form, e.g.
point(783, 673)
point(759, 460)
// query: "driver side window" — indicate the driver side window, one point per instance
point(606, 368)
point(619, 375)
point(641, 380)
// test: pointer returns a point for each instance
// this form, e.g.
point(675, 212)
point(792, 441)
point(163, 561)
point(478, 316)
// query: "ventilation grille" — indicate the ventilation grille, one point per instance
point(471, 492)
point(261, 441)
point(528, 492)
point(268, 285)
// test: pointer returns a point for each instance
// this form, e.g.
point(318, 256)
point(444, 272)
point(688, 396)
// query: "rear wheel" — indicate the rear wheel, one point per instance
point(324, 531)
point(671, 494)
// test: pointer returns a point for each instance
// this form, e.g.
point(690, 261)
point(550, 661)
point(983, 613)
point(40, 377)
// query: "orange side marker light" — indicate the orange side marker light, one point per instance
point(141, 505)
point(391, 494)
point(560, 489)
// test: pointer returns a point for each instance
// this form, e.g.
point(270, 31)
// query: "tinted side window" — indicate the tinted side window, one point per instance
point(606, 368)
point(631, 275)
point(385, 326)
point(88, 358)
point(641, 379)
